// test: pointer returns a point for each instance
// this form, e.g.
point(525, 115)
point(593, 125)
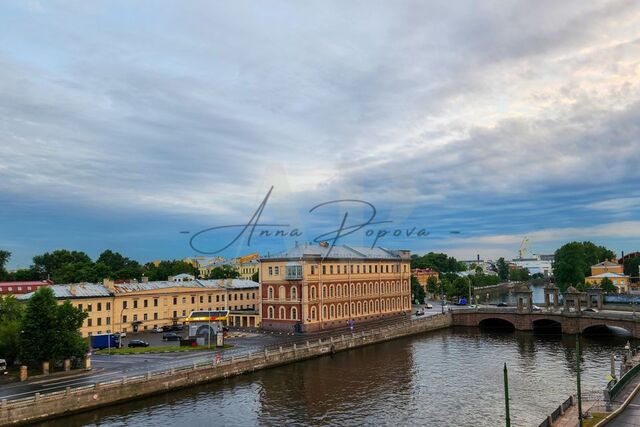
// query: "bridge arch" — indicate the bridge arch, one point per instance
point(547, 325)
point(496, 322)
point(603, 328)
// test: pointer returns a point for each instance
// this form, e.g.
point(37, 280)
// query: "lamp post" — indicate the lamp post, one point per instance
point(506, 397)
point(578, 380)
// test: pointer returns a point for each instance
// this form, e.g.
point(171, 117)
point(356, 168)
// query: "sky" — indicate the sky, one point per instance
point(133, 126)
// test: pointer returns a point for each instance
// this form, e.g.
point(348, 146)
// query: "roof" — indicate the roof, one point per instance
point(88, 290)
point(184, 276)
point(606, 264)
point(608, 275)
point(308, 251)
point(423, 270)
point(28, 283)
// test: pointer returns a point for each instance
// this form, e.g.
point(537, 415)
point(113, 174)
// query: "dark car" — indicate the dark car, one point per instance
point(138, 343)
point(171, 336)
point(177, 327)
point(501, 304)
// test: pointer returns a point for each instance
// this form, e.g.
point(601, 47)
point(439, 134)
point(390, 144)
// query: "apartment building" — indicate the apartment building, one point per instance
point(317, 287)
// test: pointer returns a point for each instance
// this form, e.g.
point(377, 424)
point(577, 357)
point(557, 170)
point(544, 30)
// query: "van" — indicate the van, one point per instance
point(3, 367)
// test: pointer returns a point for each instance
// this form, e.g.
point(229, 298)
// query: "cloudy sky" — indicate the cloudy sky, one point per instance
point(125, 125)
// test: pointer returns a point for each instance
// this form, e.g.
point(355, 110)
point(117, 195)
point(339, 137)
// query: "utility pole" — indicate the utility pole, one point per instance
point(578, 380)
point(506, 397)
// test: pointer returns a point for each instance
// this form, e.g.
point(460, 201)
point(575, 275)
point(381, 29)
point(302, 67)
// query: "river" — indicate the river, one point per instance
point(450, 377)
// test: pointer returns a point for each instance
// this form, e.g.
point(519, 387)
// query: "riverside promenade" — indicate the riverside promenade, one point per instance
point(59, 403)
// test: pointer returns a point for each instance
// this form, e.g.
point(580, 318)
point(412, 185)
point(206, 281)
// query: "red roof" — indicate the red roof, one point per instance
point(25, 287)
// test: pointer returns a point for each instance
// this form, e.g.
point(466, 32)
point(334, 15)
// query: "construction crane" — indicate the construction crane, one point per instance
point(524, 247)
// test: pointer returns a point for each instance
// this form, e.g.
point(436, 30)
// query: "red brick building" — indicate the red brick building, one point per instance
point(17, 288)
point(314, 287)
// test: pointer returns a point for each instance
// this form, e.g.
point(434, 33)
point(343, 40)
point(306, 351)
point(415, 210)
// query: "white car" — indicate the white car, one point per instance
point(429, 306)
point(535, 308)
point(123, 334)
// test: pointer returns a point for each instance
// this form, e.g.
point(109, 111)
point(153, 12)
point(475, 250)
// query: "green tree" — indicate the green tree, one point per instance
point(4, 259)
point(117, 266)
point(607, 285)
point(11, 313)
point(24, 274)
point(631, 267)
point(439, 262)
point(417, 291)
point(256, 276)
point(69, 342)
point(48, 264)
point(503, 269)
point(164, 269)
point(433, 285)
point(573, 262)
point(519, 275)
point(224, 272)
point(38, 341)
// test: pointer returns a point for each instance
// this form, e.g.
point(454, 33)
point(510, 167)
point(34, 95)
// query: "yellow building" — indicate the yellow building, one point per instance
point(609, 270)
point(133, 307)
point(314, 287)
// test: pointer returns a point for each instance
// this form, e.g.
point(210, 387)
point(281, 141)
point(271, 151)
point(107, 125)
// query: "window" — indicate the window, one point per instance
point(155, 302)
point(270, 312)
point(324, 269)
point(270, 271)
point(193, 299)
point(99, 321)
point(331, 269)
point(175, 313)
point(145, 317)
point(124, 319)
point(184, 300)
point(108, 306)
point(145, 303)
point(217, 298)
point(108, 320)
point(358, 269)
point(209, 299)
point(184, 312)
point(313, 313)
point(294, 313)
point(135, 303)
point(135, 317)
point(80, 307)
point(155, 316)
point(241, 296)
point(201, 299)
point(89, 322)
point(99, 306)
point(344, 269)
point(282, 313)
point(175, 300)
point(313, 269)
point(89, 307)
point(294, 293)
point(276, 271)
point(235, 297)
point(253, 295)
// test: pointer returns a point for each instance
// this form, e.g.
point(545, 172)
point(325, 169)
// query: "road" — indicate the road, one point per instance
point(115, 367)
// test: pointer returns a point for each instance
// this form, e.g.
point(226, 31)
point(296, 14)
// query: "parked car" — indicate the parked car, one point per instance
point(138, 343)
point(177, 327)
point(171, 336)
point(166, 328)
point(429, 306)
point(157, 329)
point(420, 312)
point(123, 334)
point(535, 308)
point(591, 310)
point(502, 304)
point(3, 367)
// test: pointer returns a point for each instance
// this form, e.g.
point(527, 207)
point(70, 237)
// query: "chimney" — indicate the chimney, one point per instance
point(108, 283)
point(478, 257)
point(145, 279)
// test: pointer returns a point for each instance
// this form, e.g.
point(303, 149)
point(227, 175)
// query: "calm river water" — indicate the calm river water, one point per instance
point(445, 378)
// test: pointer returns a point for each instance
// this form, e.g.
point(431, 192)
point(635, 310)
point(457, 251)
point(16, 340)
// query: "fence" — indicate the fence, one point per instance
point(558, 412)
point(613, 392)
point(202, 370)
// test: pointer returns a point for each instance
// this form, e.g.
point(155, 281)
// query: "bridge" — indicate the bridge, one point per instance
point(567, 321)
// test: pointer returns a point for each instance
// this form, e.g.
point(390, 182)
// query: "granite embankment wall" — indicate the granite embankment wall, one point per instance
point(14, 412)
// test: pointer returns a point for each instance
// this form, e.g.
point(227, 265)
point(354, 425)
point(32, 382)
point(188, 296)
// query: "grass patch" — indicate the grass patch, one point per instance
point(597, 417)
point(157, 349)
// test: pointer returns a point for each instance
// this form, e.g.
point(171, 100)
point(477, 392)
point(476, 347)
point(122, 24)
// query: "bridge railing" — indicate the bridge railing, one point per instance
point(613, 392)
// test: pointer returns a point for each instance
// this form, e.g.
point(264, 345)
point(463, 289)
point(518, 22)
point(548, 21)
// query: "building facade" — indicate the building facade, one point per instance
point(317, 287)
point(423, 275)
point(133, 307)
point(609, 270)
point(19, 288)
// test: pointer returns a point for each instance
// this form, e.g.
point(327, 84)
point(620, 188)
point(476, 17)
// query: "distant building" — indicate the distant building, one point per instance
point(314, 287)
point(423, 275)
point(534, 266)
point(609, 270)
point(132, 307)
point(18, 288)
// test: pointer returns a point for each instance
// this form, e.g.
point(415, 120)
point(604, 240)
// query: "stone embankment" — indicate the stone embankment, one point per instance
point(72, 400)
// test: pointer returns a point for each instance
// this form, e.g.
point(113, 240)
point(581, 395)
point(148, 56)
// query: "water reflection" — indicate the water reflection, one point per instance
point(450, 377)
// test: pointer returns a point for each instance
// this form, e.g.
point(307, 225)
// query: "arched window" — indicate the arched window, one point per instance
point(350, 288)
point(324, 291)
point(359, 309)
point(338, 290)
point(345, 290)
point(270, 292)
point(377, 305)
point(294, 293)
point(345, 312)
point(313, 313)
point(358, 289)
point(282, 313)
point(332, 312)
point(282, 293)
point(271, 312)
point(325, 313)
point(339, 310)
point(312, 294)
point(353, 309)
point(365, 307)
point(332, 291)
point(294, 313)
